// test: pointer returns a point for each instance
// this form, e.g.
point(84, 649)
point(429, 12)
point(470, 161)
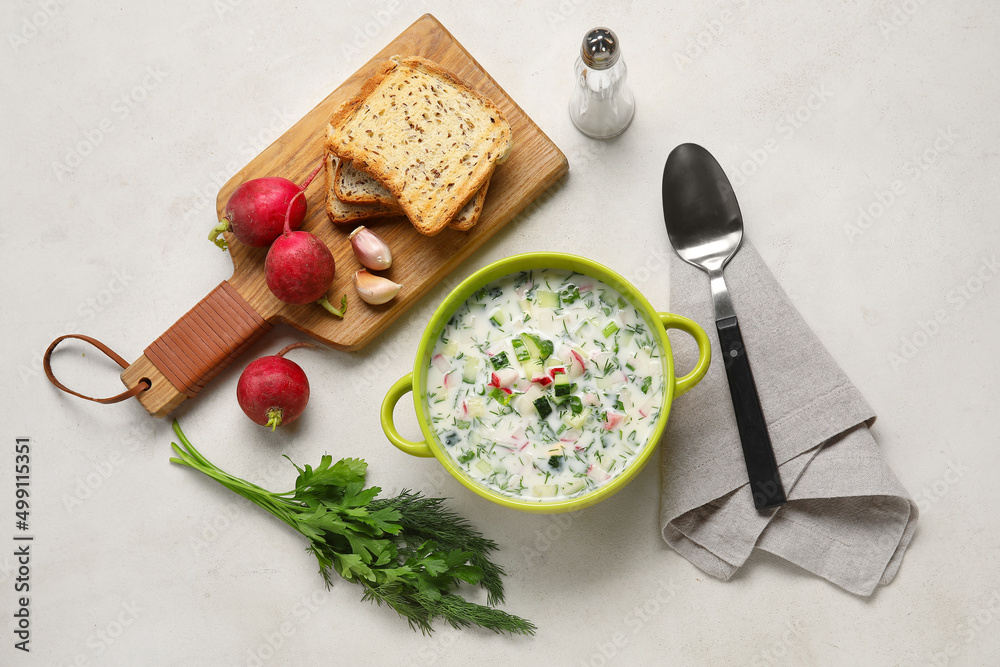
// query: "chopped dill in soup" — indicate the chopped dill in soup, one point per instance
point(545, 384)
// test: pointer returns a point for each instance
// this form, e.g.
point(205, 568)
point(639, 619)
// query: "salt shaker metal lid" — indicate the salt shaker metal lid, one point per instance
point(600, 49)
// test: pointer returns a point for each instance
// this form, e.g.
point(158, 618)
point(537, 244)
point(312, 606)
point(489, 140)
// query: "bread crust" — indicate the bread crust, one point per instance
point(469, 215)
point(359, 195)
point(430, 206)
point(342, 213)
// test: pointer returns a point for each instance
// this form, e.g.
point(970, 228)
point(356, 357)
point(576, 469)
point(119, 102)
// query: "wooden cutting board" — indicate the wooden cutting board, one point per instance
point(242, 309)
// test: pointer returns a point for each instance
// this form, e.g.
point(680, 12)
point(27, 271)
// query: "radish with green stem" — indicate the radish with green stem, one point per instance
point(273, 390)
point(299, 268)
point(255, 212)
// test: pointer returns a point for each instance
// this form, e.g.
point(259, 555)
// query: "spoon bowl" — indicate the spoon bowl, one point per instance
point(702, 215)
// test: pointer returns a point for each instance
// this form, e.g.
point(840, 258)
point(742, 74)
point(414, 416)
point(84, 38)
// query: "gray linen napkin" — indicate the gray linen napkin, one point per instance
point(847, 519)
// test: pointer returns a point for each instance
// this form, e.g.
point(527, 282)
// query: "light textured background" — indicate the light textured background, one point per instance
point(122, 122)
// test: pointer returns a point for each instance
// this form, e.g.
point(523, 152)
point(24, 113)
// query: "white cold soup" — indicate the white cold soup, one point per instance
point(545, 384)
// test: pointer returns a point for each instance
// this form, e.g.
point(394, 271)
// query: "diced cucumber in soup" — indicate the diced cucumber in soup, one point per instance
point(533, 368)
point(471, 369)
point(547, 299)
point(531, 344)
point(560, 384)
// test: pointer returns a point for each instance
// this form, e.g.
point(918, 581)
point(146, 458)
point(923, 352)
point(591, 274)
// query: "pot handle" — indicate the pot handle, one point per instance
point(396, 392)
point(690, 327)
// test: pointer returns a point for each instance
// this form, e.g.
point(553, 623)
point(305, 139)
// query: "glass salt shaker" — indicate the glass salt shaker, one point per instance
point(602, 106)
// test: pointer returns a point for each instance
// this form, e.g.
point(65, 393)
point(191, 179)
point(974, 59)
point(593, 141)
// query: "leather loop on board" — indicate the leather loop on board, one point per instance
point(47, 365)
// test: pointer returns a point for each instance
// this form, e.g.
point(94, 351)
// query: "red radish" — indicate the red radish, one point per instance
point(504, 378)
point(273, 390)
point(495, 381)
point(613, 421)
point(255, 212)
point(440, 363)
point(598, 473)
point(299, 268)
point(647, 407)
point(619, 377)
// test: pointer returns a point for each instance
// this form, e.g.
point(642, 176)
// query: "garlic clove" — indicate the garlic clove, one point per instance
point(373, 289)
point(370, 249)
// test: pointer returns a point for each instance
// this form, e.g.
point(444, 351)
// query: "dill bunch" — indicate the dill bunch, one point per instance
point(408, 552)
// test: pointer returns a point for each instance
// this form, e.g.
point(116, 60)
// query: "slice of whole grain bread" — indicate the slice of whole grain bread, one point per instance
point(340, 212)
point(469, 215)
point(432, 141)
point(356, 187)
point(350, 179)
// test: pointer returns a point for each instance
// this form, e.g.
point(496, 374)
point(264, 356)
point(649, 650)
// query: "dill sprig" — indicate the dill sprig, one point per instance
point(454, 609)
point(427, 519)
point(408, 552)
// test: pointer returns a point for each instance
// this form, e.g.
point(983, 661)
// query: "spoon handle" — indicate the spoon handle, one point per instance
point(762, 468)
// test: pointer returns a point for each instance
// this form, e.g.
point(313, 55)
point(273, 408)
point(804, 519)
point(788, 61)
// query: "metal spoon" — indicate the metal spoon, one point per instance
point(706, 228)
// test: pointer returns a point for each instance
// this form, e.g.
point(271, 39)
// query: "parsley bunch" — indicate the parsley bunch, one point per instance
point(409, 552)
